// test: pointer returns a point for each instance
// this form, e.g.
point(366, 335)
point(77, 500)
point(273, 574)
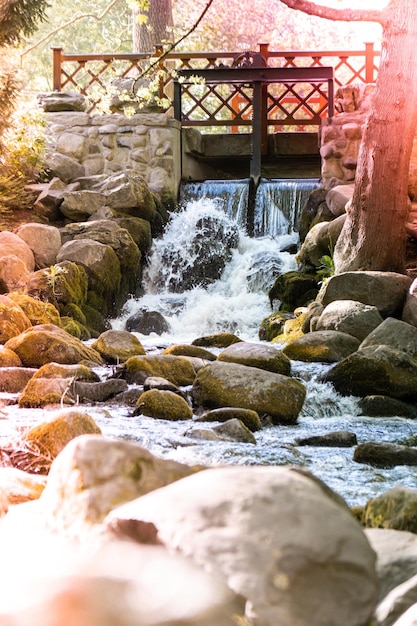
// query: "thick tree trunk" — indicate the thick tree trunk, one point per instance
point(157, 28)
point(373, 237)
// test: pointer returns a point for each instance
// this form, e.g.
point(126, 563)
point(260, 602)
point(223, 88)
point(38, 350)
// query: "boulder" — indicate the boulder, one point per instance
point(147, 322)
point(12, 244)
point(189, 350)
point(116, 582)
point(376, 370)
point(14, 273)
point(19, 486)
point(257, 355)
point(394, 334)
point(111, 234)
point(385, 290)
point(49, 200)
point(338, 197)
point(320, 241)
point(396, 552)
point(248, 417)
point(37, 311)
point(63, 167)
point(82, 490)
point(395, 509)
point(234, 430)
point(384, 406)
point(62, 101)
point(80, 204)
point(13, 320)
point(163, 404)
point(273, 325)
point(221, 384)
point(139, 229)
point(178, 370)
point(337, 439)
point(14, 378)
point(383, 454)
point(116, 346)
point(61, 284)
point(349, 316)
point(409, 313)
point(218, 340)
point(325, 346)
point(8, 358)
point(303, 561)
point(293, 289)
point(97, 392)
point(128, 192)
point(100, 262)
point(397, 602)
point(43, 240)
point(47, 343)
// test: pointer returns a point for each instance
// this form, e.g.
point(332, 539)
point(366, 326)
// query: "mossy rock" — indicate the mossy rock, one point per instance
point(95, 320)
point(47, 343)
point(293, 329)
point(74, 328)
point(326, 346)
point(294, 289)
point(8, 358)
point(248, 417)
point(139, 229)
point(13, 320)
point(178, 370)
point(192, 351)
point(77, 371)
point(273, 325)
point(163, 404)
point(218, 340)
point(118, 346)
point(37, 311)
point(43, 443)
point(395, 509)
point(257, 355)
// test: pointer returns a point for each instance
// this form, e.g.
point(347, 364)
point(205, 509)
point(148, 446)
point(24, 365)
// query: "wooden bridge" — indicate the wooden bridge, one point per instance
point(261, 92)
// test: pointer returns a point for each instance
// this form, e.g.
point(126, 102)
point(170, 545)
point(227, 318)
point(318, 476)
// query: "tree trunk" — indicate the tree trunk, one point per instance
point(157, 28)
point(373, 237)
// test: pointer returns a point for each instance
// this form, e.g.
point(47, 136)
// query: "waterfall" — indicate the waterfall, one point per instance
point(274, 210)
point(206, 275)
point(231, 196)
point(278, 204)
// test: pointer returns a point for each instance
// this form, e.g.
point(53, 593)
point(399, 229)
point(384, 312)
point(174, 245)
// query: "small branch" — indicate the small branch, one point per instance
point(341, 15)
point(76, 18)
point(173, 45)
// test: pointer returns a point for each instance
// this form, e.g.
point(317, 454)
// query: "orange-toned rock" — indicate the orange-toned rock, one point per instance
point(12, 244)
point(13, 320)
point(14, 274)
point(47, 343)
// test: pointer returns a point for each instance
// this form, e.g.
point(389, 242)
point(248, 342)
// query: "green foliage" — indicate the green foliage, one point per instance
point(327, 266)
point(20, 19)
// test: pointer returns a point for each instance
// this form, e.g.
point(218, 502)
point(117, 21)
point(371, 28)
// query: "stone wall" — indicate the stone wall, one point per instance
point(148, 144)
point(340, 138)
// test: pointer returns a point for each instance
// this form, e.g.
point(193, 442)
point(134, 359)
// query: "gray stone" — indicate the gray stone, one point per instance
point(282, 540)
point(349, 316)
point(79, 205)
point(322, 346)
point(64, 167)
point(62, 101)
point(43, 240)
point(337, 198)
point(222, 384)
point(257, 355)
point(395, 334)
point(384, 290)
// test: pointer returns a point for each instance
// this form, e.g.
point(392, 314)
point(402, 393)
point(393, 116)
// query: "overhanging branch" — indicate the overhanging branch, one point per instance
point(340, 15)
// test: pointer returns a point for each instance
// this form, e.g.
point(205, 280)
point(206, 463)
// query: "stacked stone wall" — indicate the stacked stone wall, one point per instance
point(148, 144)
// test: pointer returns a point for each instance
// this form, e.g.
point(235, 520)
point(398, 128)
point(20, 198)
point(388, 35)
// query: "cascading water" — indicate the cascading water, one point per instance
point(206, 275)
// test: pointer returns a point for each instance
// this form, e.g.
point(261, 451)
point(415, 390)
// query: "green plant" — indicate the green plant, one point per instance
point(52, 273)
point(326, 267)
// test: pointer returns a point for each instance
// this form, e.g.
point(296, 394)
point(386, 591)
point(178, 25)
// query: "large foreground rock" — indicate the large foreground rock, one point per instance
point(115, 584)
point(385, 290)
point(349, 316)
point(325, 346)
point(93, 475)
point(281, 540)
point(221, 384)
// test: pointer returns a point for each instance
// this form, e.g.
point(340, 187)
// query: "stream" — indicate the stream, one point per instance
point(237, 302)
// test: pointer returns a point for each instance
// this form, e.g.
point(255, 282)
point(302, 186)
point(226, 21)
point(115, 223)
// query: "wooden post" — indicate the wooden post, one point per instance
point(57, 62)
point(264, 50)
point(369, 63)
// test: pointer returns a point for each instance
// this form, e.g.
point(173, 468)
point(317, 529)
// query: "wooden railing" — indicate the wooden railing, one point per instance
point(228, 106)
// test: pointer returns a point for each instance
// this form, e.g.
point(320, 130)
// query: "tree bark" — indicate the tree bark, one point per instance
point(157, 28)
point(373, 237)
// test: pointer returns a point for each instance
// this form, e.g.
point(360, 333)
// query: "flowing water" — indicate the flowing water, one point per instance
point(237, 302)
